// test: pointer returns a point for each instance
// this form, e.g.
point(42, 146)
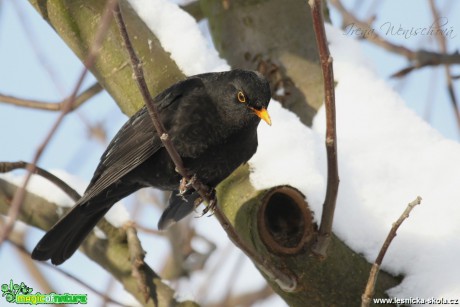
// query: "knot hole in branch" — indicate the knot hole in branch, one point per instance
point(285, 222)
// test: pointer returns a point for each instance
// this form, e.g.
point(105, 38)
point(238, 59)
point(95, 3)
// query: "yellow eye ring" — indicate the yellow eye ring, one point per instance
point(241, 97)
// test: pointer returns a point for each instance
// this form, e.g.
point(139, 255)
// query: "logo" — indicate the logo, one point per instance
point(22, 294)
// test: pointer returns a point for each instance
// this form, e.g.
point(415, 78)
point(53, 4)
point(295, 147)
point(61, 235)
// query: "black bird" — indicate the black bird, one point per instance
point(212, 121)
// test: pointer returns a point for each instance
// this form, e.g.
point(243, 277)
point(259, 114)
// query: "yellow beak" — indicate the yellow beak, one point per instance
point(263, 114)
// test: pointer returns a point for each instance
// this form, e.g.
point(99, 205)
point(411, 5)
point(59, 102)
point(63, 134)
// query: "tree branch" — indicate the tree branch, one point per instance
point(6, 167)
point(370, 287)
point(86, 95)
point(443, 46)
point(419, 59)
point(327, 217)
point(112, 254)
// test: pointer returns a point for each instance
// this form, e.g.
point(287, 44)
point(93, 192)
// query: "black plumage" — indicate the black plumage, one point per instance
point(212, 121)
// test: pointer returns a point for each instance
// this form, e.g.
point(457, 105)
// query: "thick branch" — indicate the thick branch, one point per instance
point(112, 253)
point(75, 21)
point(277, 223)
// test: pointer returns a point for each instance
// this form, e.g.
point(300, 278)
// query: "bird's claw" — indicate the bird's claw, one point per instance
point(212, 203)
point(210, 207)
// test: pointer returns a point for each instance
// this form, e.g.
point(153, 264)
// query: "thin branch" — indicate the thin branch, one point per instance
point(89, 61)
point(327, 217)
point(236, 271)
point(9, 166)
point(149, 103)
point(369, 291)
point(53, 106)
point(287, 282)
point(136, 257)
point(149, 230)
point(212, 272)
point(419, 59)
point(443, 46)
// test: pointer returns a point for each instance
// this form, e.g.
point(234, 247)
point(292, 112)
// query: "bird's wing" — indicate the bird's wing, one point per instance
point(137, 140)
point(134, 143)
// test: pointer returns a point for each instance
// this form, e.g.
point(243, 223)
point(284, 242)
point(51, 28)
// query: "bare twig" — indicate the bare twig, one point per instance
point(369, 291)
point(327, 217)
point(211, 273)
point(419, 59)
point(149, 230)
point(53, 106)
point(443, 46)
point(151, 107)
point(89, 61)
point(287, 282)
point(236, 270)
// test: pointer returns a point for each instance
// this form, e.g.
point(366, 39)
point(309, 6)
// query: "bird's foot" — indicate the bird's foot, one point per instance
point(211, 195)
point(186, 185)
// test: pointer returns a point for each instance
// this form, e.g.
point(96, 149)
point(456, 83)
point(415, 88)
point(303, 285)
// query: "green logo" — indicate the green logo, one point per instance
point(21, 294)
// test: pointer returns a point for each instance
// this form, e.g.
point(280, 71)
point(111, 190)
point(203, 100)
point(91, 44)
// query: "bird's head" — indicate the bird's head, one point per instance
point(251, 90)
point(244, 95)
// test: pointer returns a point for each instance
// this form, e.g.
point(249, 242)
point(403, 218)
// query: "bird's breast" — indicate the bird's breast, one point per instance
point(220, 160)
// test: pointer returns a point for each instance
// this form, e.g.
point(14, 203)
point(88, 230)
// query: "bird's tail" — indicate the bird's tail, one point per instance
point(64, 238)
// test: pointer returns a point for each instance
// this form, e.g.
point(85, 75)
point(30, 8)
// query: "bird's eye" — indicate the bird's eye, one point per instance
point(241, 97)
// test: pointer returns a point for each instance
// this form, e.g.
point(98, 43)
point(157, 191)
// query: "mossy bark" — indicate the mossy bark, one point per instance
point(339, 280)
point(76, 22)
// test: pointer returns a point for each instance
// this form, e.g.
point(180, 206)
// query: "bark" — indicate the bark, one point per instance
point(76, 21)
point(278, 224)
point(112, 253)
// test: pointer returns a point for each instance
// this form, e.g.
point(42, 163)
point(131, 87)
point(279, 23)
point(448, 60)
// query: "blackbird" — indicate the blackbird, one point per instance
point(212, 121)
